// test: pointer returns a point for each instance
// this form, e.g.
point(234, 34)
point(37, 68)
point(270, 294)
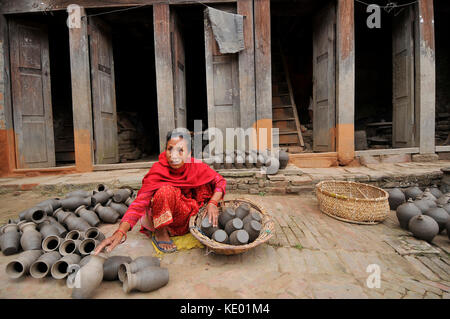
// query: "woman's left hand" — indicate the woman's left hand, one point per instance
point(213, 214)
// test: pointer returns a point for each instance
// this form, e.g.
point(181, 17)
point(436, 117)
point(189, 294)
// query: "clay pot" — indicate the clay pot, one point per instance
point(72, 203)
point(242, 211)
point(253, 228)
point(423, 227)
point(36, 215)
point(443, 200)
point(253, 215)
point(412, 192)
point(226, 215)
point(54, 202)
point(435, 191)
point(88, 215)
point(61, 229)
point(102, 197)
point(239, 161)
point(428, 195)
point(111, 266)
point(260, 160)
point(51, 243)
point(272, 165)
point(61, 215)
point(31, 239)
point(89, 277)
point(10, 239)
point(75, 235)
point(94, 233)
point(136, 265)
point(46, 207)
point(106, 214)
point(283, 157)
point(121, 208)
point(100, 188)
point(59, 269)
point(69, 246)
point(76, 223)
point(220, 236)
point(207, 227)
point(239, 237)
point(228, 161)
point(422, 204)
point(440, 215)
point(233, 225)
point(49, 229)
point(21, 265)
point(218, 161)
point(41, 267)
point(87, 246)
point(80, 193)
point(407, 211)
point(121, 195)
point(130, 200)
point(23, 213)
point(396, 198)
point(250, 161)
point(146, 280)
point(447, 207)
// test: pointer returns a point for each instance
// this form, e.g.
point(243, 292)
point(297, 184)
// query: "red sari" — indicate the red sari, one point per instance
point(170, 196)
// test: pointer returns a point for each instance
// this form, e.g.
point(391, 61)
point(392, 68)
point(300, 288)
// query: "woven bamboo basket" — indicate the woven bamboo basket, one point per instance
point(267, 229)
point(353, 202)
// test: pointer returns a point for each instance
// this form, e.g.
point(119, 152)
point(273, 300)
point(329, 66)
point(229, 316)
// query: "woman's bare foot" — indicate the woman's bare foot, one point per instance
point(163, 235)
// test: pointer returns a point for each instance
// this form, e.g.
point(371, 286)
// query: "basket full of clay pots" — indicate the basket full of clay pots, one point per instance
point(242, 226)
point(353, 202)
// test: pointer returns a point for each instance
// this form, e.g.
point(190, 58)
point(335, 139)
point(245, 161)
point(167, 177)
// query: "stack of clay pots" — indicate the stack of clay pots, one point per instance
point(424, 213)
point(238, 226)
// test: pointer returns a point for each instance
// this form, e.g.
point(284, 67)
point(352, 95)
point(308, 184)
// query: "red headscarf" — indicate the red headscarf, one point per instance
point(192, 174)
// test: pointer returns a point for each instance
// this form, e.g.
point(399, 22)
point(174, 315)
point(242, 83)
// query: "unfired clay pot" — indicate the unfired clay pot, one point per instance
point(283, 157)
point(46, 207)
point(435, 191)
point(121, 208)
point(101, 188)
point(87, 246)
point(412, 192)
point(51, 243)
point(48, 229)
point(61, 215)
point(146, 280)
point(106, 214)
point(253, 228)
point(253, 215)
point(443, 200)
point(423, 227)
point(428, 195)
point(121, 195)
point(249, 161)
point(447, 208)
point(69, 246)
point(111, 266)
point(239, 237)
point(72, 203)
point(220, 236)
point(41, 267)
point(36, 215)
point(75, 235)
point(10, 239)
point(31, 239)
point(52, 201)
point(76, 223)
point(272, 165)
point(59, 268)
point(20, 266)
point(89, 277)
point(226, 215)
point(136, 265)
point(239, 161)
point(440, 215)
point(130, 200)
point(94, 233)
point(102, 197)
point(88, 215)
point(234, 224)
point(396, 198)
point(407, 211)
point(207, 227)
point(422, 204)
point(242, 211)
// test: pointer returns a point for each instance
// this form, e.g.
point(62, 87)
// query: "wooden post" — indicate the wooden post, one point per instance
point(81, 95)
point(164, 75)
point(345, 82)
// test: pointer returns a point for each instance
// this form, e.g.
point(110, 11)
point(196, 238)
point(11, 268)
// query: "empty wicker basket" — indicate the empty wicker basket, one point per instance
point(267, 229)
point(353, 202)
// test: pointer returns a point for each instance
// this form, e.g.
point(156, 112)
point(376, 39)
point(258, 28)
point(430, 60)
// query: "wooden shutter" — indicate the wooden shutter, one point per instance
point(31, 95)
point(324, 87)
point(103, 92)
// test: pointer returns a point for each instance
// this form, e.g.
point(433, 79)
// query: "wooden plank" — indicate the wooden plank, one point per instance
point(179, 71)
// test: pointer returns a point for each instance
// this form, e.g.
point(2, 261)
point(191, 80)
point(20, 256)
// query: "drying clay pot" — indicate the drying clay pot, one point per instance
point(72, 203)
point(249, 161)
point(239, 237)
point(46, 207)
point(59, 269)
point(217, 164)
point(220, 236)
point(407, 211)
point(54, 202)
point(10, 239)
point(80, 193)
point(254, 215)
point(69, 246)
point(226, 215)
point(88, 215)
point(396, 198)
point(228, 162)
point(106, 214)
point(100, 188)
point(36, 215)
point(413, 192)
point(75, 235)
point(422, 204)
point(443, 200)
point(428, 195)
point(283, 157)
point(146, 280)
point(61, 229)
point(435, 191)
point(89, 277)
point(94, 233)
point(130, 200)
point(207, 227)
point(121, 195)
point(87, 246)
point(111, 266)
point(49, 229)
point(136, 265)
point(423, 227)
point(232, 225)
point(447, 207)
point(272, 165)
point(440, 215)
point(253, 228)
point(61, 215)
point(76, 223)
point(41, 267)
point(20, 265)
point(121, 208)
point(31, 239)
point(102, 197)
point(239, 161)
point(51, 243)
point(242, 211)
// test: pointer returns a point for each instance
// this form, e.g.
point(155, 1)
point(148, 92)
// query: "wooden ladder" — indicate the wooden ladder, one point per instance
point(284, 110)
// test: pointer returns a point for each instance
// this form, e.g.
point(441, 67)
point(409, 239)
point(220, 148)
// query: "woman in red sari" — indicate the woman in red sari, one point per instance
point(172, 191)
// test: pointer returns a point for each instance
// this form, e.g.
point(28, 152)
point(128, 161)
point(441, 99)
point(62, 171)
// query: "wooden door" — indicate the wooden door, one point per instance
point(222, 81)
point(403, 79)
point(103, 92)
point(324, 99)
point(31, 95)
point(178, 67)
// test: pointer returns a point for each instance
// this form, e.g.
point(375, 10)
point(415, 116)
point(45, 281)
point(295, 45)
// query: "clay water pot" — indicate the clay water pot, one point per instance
point(440, 215)
point(23, 213)
point(106, 214)
point(412, 192)
point(36, 215)
point(228, 161)
point(239, 237)
point(60, 214)
point(59, 268)
point(100, 188)
point(239, 161)
point(260, 160)
point(76, 223)
point(283, 157)
point(253, 228)
point(75, 235)
point(422, 204)
point(121, 195)
point(407, 211)
point(443, 200)
point(72, 203)
point(10, 239)
point(87, 246)
point(130, 200)
point(48, 229)
point(447, 207)
point(51, 243)
point(13, 221)
point(54, 202)
point(207, 227)
point(111, 267)
point(253, 215)
point(31, 239)
point(146, 280)
point(89, 277)
point(423, 227)
point(272, 165)
point(136, 265)
point(61, 229)
point(396, 198)
point(80, 193)
point(226, 215)
point(436, 191)
point(220, 236)
point(242, 211)
point(69, 246)
point(20, 266)
point(73, 269)
point(94, 233)
point(233, 225)
point(41, 267)
point(250, 161)
point(428, 195)
point(102, 197)
point(88, 215)
point(46, 207)
point(121, 208)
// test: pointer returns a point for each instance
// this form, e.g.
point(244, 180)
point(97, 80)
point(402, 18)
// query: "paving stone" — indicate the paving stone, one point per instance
point(412, 295)
point(430, 295)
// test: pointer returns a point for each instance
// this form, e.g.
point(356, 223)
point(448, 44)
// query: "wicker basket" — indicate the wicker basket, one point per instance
point(267, 229)
point(353, 202)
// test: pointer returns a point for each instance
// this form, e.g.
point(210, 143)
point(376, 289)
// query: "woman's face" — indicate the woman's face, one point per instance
point(177, 152)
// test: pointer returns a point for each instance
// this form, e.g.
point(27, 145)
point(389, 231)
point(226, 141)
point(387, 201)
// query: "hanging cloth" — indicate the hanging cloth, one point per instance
point(228, 30)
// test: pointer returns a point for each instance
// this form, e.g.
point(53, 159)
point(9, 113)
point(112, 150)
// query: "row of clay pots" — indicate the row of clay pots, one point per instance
point(74, 242)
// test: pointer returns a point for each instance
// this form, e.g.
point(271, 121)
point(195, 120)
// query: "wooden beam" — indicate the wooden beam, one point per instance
point(81, 96)
point(164, 75)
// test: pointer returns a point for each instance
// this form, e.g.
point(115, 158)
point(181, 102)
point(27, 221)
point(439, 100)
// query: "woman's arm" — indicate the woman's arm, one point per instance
point(219, 185)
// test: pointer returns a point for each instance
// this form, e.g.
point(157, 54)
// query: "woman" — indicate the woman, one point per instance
point(172, 191)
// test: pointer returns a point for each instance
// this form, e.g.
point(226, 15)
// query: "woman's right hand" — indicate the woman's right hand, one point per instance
point(109, 243)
